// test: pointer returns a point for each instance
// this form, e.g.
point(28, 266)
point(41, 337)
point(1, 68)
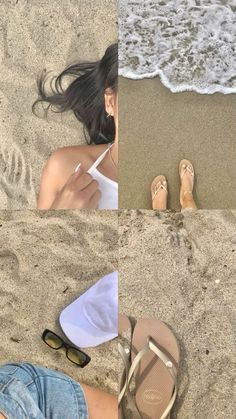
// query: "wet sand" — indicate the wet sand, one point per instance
point(35, 36)
point(47, 260)
point(158, 128)
point(181, 268)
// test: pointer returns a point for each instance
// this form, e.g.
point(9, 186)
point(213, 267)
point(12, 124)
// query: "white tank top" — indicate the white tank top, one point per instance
point(108, 187)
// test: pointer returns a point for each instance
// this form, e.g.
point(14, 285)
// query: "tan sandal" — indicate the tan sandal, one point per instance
point(184, 167)
point(159, 183)
point(155, 359)
point(124, 348)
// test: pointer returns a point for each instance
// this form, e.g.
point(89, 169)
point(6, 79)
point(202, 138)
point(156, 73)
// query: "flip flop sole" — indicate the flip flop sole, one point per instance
point(154, 384)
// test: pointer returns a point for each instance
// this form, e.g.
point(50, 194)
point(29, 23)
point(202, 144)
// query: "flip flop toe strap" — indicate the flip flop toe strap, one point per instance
point(171, 368)
point(158, 189)
point(187, 168)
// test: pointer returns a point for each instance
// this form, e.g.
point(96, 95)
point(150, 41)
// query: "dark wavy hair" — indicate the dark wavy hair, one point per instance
point(84, 95)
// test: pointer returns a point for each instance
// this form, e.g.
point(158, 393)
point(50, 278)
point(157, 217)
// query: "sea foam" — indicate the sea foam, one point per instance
point(190, 44)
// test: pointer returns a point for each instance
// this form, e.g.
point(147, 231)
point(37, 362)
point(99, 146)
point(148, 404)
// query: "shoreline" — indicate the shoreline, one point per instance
point(183, 88)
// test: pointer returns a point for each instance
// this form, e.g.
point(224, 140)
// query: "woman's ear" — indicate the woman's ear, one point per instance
point(109, 97)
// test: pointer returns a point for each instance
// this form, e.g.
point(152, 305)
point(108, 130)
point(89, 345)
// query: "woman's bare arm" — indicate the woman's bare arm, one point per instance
point(52, 181)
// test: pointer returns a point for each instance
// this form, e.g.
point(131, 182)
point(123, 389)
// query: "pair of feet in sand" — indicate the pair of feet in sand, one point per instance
point(159, 188)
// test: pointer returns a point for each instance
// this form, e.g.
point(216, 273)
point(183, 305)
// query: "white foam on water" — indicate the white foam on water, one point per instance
point(190, 44)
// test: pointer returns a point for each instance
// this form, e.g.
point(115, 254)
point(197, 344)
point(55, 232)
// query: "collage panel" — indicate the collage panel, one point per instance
point(58, 292)
point(177, 103)
point(58, 113)
point(176, 292)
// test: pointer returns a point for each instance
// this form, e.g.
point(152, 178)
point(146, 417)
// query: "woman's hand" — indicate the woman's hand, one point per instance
point(80, 192)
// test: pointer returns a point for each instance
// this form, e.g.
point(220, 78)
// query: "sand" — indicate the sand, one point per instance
point(181, 268)
point(36, 35)
point(158, 128)
point(46, 261)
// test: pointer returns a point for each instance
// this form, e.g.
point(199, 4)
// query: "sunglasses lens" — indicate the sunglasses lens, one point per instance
point(52, 340)
point(76, 356)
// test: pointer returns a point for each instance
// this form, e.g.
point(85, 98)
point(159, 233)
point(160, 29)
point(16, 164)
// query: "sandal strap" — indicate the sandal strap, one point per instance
point(167, 361)
point(124, 386)
point(166, 412)
point(157, 189)
point(189, 169)
point(126, 362)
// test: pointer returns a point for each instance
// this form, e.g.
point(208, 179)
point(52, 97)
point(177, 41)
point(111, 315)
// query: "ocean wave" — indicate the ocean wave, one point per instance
point(190, 44)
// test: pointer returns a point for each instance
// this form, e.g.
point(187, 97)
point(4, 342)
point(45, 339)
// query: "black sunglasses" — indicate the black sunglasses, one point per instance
point(74, 355)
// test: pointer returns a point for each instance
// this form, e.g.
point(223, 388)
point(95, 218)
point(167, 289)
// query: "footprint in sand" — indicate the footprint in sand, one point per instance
point(9, 263)
point(16, 185)
point(8, 303)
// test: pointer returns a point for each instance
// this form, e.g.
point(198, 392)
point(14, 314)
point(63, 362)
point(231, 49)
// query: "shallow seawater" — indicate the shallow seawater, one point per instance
point(190, 44)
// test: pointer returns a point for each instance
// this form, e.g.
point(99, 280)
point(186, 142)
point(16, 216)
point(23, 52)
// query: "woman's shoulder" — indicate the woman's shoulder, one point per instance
point(71, 156)
point(63, 162)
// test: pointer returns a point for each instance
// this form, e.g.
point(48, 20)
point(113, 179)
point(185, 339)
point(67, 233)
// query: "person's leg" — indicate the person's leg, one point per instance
point(61, 392)
point(101, 405)
point(52, 394)
point(159, 193)
point(186, 172)
point(15, 399)
point(2, 416)
point(188, 201)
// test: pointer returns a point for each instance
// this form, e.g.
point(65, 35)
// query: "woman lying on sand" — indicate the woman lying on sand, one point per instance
point(29, 391)
point(84, 176)
point(159, 189)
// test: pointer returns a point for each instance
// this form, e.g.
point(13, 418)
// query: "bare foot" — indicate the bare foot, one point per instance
point(186, 172)
point(159, 193)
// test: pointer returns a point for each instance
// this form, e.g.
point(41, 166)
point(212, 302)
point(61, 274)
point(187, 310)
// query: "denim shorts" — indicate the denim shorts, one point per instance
point(31, 392)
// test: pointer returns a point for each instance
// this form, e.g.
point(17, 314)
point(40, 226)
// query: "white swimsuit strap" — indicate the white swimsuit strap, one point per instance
point(100, 158)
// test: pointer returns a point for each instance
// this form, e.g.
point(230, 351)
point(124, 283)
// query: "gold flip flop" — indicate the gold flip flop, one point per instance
point(159, 183)
point(155, 360)
point(184, 167)
point(124, 348)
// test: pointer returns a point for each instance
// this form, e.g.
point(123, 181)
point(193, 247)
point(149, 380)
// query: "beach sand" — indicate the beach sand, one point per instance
point(46, 261)
point(158, 128)
point(181, 268)
point(36, 35)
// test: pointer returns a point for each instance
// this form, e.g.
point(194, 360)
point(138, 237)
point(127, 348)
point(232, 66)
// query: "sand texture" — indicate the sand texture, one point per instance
point(159, 128)
point(33, 36)
point(181, 268)
point(46, 262)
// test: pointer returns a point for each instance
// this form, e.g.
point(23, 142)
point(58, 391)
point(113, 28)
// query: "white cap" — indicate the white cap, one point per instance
point(93, 318)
